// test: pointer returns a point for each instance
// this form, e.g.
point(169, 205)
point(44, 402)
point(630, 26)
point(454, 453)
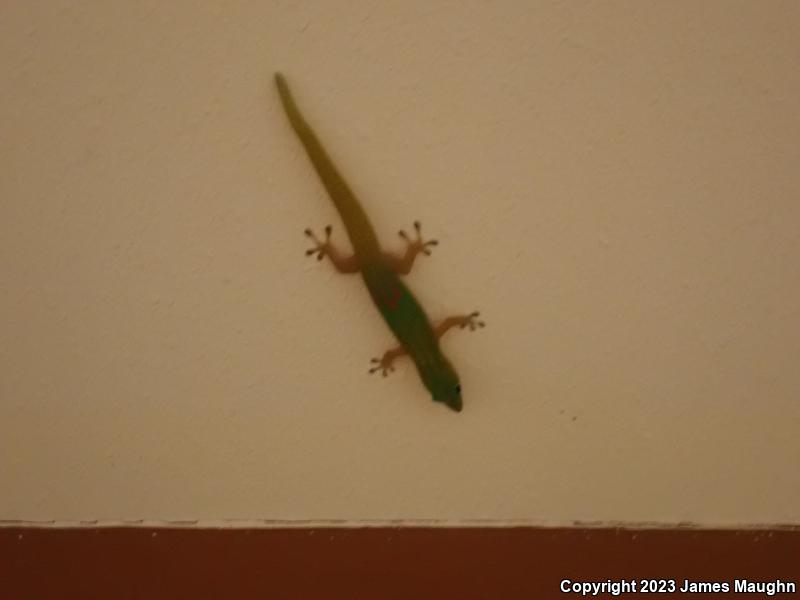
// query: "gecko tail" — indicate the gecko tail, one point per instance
point(355, 220)
point(280, 81)
point(289, 105)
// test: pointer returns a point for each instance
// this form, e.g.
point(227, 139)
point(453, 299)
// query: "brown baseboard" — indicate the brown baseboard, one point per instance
point(381, 562)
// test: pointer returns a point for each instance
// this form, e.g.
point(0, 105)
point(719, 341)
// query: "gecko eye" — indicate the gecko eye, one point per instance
point(458, 388)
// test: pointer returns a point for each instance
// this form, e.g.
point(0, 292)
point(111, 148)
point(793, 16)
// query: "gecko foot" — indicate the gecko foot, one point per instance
point(384, 364)
point(417, 245)
point(471, 321)
point(321, 248)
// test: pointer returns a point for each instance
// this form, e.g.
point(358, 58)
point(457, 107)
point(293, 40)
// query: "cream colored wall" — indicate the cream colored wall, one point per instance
point(615, 185)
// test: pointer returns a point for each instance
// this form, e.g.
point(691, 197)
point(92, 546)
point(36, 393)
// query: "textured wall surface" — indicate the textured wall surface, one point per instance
point(613, 184)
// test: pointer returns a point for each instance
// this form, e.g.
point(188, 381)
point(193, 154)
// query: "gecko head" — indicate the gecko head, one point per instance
point(452, 398)
point(443, 384)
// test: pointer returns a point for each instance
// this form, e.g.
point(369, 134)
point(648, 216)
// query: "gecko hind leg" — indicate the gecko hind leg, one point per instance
point(323, 248)
point(402, 264)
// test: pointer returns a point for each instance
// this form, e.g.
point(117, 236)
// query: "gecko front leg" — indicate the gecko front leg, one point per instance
point(402, 264)
point(461, 321)
point(385, 363)
point(343, 264)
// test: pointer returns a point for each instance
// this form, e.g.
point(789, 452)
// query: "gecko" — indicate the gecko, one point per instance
point(381, 271)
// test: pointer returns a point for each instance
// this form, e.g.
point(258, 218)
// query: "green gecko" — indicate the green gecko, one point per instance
point(381, 272)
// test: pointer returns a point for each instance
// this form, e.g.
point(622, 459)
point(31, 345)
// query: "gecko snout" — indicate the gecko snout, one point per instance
point(453, 399)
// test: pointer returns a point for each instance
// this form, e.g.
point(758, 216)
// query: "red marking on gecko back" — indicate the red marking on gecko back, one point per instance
point(389, 297)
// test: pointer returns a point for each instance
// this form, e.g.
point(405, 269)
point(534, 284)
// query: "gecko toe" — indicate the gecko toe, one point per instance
point(320, 248)
point(417, 244)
